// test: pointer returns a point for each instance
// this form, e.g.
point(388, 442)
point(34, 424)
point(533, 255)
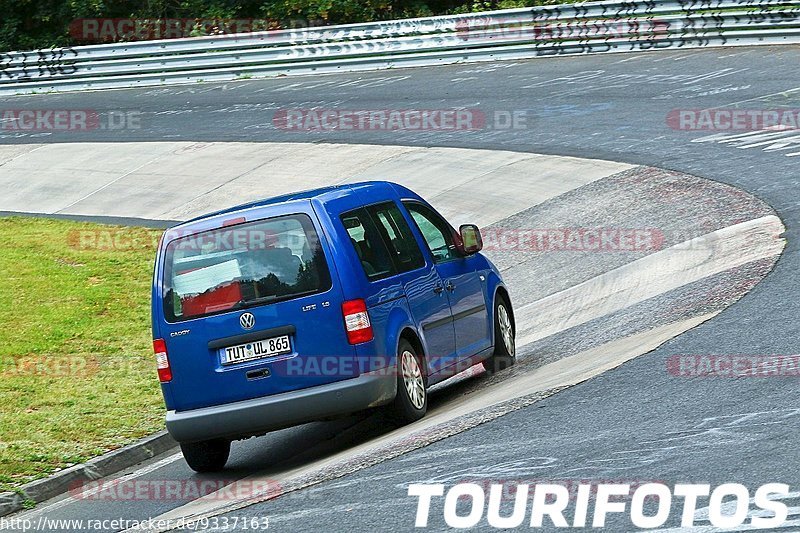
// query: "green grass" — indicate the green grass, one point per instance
point(77, 375)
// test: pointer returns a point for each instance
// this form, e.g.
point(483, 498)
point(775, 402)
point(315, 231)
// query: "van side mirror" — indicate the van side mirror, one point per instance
point(471, 240)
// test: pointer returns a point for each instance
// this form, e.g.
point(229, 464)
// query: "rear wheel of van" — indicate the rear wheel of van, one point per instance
point(411, 402)
point(505, 351)
point(206, 456)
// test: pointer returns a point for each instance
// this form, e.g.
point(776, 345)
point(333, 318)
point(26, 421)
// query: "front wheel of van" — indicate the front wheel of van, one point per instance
point(504, 338)
point(206, 456)
point(411, 402)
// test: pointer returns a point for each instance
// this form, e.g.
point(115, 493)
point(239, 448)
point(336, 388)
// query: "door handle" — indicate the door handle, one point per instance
point(450, 287)
point(438, 289)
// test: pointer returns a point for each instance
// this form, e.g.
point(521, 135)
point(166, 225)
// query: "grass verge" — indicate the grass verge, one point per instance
point(77, 376)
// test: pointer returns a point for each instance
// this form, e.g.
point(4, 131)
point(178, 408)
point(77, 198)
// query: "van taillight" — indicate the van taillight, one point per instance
point(162, 360)
point(356, 321)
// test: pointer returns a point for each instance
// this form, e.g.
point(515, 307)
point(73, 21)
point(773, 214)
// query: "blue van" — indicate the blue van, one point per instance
point(314, 305)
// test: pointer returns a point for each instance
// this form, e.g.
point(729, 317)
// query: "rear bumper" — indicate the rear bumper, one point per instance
point(261, 415)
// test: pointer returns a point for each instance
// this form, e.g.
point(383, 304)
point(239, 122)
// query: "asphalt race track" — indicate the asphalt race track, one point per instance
point(633, 424)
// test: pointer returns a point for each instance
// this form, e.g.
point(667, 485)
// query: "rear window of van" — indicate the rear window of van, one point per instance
point(242, 266)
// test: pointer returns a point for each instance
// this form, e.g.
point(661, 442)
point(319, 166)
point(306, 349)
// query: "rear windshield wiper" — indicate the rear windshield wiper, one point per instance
point(254, 301)
point(271, 299)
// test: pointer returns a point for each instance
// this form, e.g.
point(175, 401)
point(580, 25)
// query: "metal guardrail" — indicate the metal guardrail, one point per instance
point(592, 27)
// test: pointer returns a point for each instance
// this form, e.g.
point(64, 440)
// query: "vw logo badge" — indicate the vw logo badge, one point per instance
point(247, 320)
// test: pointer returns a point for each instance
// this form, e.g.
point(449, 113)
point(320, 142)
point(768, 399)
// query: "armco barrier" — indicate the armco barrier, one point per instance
point(593, 27)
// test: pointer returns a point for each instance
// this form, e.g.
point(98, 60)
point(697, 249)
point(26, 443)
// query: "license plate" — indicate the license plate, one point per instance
point(256, 350)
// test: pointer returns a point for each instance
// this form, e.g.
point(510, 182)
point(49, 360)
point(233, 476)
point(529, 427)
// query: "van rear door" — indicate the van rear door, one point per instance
point(251, 309)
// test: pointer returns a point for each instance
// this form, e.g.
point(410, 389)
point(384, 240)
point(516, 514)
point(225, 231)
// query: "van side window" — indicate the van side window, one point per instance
point(369, 245)
point(435, 230)
point(398, 237)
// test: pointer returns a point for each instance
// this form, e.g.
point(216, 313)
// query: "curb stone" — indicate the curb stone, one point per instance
point(99, 467)
point(10, 502)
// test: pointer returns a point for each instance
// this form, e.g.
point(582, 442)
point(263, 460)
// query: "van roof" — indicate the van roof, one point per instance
point(317, 193)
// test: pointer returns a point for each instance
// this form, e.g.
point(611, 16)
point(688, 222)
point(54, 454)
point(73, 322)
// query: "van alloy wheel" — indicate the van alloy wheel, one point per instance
point(412, 378)
point(411, 400)
point(505, 348)
point(506, 329)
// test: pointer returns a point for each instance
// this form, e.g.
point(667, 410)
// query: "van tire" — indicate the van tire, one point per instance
point(505, 351)
point(206, 456)
point(411, 402)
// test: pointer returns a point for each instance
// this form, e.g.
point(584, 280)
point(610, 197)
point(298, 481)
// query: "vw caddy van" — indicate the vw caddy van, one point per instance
point(314, 305)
